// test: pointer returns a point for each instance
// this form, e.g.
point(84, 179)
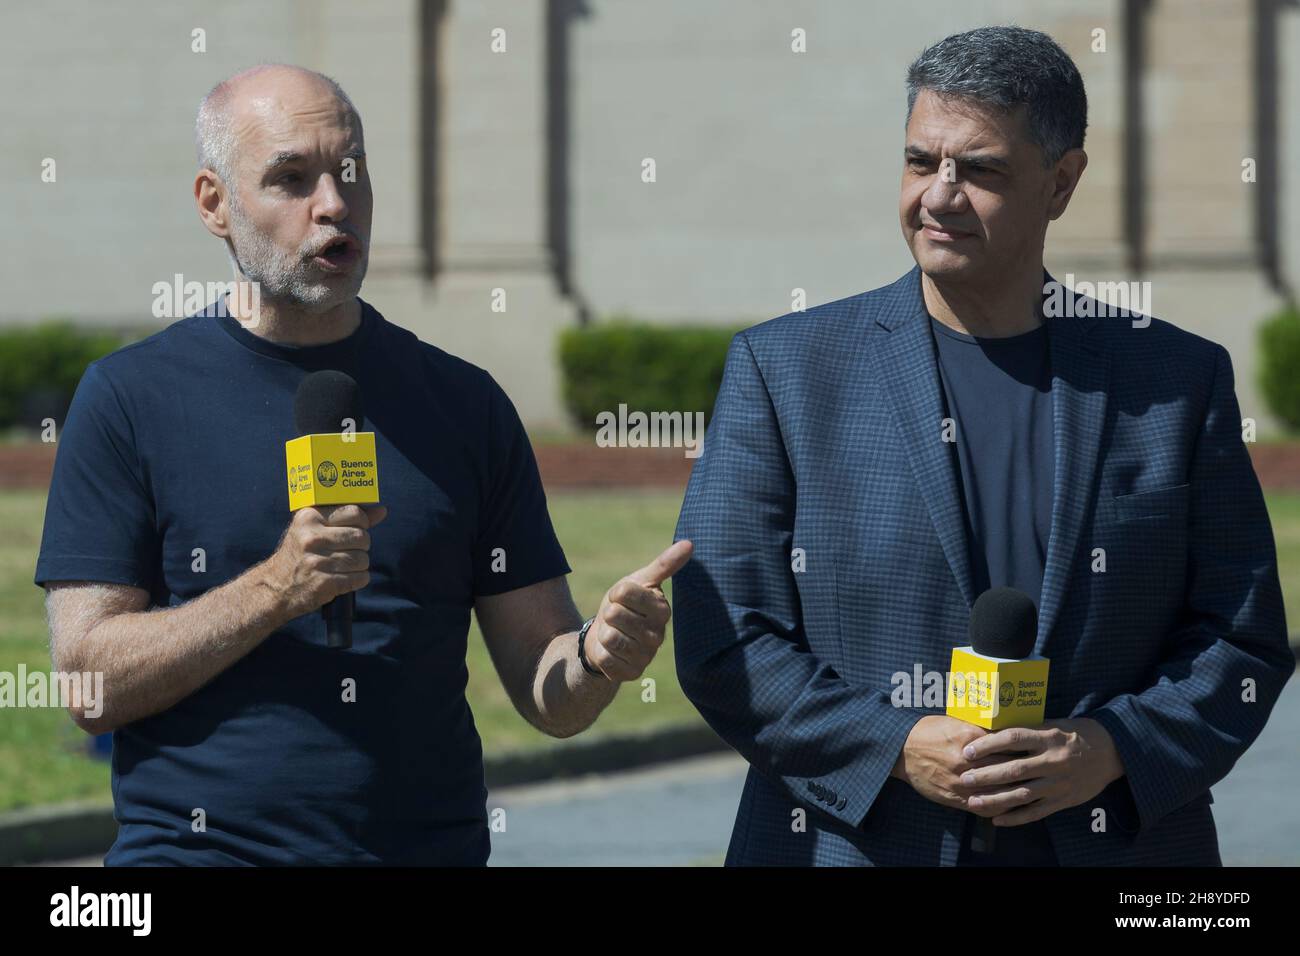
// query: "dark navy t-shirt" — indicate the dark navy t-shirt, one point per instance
point(999, 394)
point(175, 444)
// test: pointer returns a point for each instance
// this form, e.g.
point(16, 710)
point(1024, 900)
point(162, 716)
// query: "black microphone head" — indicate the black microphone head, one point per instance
point(1004, 623)
point(324, 399)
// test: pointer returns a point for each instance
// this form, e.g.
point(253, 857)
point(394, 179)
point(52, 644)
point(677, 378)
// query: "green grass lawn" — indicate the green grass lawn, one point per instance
point(605, 535)
point(1284, 510)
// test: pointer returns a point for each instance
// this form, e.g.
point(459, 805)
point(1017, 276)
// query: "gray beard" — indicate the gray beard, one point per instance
point(287, 279)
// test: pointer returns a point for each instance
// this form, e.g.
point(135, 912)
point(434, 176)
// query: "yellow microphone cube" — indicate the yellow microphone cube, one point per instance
point(993, 692)
point(331, 470)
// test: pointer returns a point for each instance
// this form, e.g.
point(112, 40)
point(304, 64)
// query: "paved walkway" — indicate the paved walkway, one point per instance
point(677, 814)
point(681, 814)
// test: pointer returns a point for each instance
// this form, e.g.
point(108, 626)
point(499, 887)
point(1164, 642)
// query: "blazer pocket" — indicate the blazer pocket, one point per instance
point(1168, 502)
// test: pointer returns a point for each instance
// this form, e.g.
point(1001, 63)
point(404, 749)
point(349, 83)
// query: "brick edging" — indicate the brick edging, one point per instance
point(584, 465)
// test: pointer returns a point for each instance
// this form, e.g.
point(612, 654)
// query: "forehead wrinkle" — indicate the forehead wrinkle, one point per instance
point(975, 147)
point(972, 119)
point(286, 156)
point(264, 121)
point(974, 156)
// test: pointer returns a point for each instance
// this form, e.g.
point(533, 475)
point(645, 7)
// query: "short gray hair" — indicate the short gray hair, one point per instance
point(214, 140)
point(1007, 67)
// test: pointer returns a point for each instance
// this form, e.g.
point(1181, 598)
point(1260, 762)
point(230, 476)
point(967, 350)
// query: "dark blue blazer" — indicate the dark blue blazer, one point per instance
point(826, 438)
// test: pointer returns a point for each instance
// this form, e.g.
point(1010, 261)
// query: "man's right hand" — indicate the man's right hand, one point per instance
point(932, 763)
point(324, 552)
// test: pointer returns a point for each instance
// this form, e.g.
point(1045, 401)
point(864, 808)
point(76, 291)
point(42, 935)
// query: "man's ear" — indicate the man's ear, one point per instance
point(1069, 170)
point(210, 197)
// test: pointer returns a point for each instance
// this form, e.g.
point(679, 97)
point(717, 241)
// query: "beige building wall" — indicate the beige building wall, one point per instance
point(775, 170)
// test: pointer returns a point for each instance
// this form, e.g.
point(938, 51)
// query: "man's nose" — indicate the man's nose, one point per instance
point(330, 205)
point(944, 194)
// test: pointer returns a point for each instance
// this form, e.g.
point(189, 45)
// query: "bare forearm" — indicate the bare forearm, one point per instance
point(153, 659)
point(532, 635)
point(567, 699)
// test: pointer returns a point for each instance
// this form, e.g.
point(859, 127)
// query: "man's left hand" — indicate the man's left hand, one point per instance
point(1060, 764)
point(629, 627)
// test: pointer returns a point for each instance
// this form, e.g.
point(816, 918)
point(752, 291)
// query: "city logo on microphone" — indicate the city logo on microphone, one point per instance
point(331, 469)
point(1007, 693)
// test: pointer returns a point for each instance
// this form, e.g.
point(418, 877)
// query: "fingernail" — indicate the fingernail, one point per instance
point(975, 802)
point(969, 752)
point(968, 778)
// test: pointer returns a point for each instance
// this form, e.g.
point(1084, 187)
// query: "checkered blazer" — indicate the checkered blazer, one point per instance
point(831, 554)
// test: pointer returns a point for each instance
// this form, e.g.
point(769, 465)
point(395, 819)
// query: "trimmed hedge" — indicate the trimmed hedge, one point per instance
point(40, 366)
point(1279, 366)
point(646, 367)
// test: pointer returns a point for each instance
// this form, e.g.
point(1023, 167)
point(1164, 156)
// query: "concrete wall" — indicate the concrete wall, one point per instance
point(775, 170)
point(109, 92)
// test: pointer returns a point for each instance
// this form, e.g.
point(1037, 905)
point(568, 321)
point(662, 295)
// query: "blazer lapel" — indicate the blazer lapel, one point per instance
point(1080, 380)
point(904, 360)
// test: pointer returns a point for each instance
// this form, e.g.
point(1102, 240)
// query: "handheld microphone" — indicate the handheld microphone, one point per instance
point(997, 681)
point(331, 463)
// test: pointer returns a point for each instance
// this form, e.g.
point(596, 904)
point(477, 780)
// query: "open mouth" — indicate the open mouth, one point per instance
point(335, 249)
point(337, 254)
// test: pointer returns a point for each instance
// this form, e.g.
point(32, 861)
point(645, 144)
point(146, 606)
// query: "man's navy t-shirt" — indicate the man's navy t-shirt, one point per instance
point(176, 444)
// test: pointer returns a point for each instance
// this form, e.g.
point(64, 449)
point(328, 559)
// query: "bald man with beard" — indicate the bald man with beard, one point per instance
point(172, 565)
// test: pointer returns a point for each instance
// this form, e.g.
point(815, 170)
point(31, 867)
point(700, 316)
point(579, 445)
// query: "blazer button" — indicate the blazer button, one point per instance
point(842, 804)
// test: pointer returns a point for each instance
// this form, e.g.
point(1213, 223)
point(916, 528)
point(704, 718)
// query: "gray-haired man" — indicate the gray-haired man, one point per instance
point(924, 442)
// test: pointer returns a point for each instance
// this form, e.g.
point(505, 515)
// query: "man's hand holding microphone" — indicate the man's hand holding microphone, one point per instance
point(324, 553)
point(1012, 776)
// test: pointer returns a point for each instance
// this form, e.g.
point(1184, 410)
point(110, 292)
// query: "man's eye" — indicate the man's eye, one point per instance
point(289, 179)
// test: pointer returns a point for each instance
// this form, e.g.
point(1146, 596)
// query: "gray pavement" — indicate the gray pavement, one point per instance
point(677, 814)
point(680, 814)
point(1257, 805)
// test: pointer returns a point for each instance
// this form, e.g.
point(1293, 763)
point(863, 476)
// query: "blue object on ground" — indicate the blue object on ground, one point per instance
point(101, 746)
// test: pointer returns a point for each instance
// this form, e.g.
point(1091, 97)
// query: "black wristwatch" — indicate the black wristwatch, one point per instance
point(582, 655)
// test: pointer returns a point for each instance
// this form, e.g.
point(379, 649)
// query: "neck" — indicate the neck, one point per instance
point(285, 324)
point(995, 311)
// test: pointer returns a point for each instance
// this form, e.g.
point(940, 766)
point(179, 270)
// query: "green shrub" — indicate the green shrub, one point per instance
point(40, 366)
point(646, 367)
point(1279, 366)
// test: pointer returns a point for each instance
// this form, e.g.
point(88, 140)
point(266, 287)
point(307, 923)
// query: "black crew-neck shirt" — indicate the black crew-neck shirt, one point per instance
point(170, 476)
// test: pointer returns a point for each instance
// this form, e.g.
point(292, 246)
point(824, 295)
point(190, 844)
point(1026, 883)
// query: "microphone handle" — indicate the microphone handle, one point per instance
point(985, 836)
point(338, 620)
